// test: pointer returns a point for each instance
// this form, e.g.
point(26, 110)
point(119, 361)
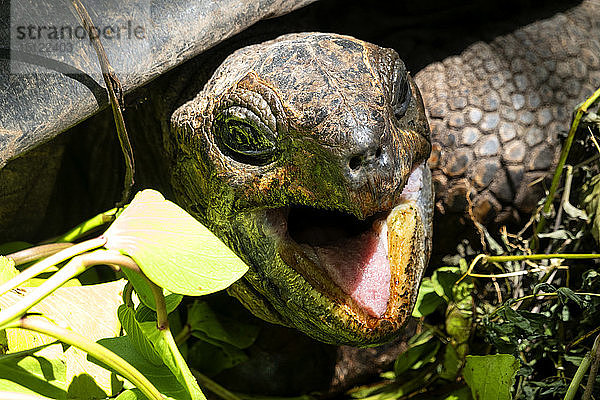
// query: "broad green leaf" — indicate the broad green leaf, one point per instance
point(459, 315)
point(136, 335)
point(131, 394)
point(7, 269)
point(450, 364)
point(165, 346)
point(460, 394)
point(35, 374)
point(88, 310)
point(427, 299)
point(204, 322)
point(566, 293)
point(83, 386)
point(173, 249)
point(160, 376)
point(443, 279)
point(145, 295)
point(490, 377)
point(421, 353)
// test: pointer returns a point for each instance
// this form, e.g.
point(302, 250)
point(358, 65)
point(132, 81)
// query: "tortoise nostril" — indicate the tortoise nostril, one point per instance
point(355, 163)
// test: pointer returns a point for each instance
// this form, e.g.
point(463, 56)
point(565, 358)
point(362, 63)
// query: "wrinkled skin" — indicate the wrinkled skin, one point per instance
point(317, 120)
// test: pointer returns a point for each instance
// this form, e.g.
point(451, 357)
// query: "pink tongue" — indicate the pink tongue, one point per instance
point(360, 267)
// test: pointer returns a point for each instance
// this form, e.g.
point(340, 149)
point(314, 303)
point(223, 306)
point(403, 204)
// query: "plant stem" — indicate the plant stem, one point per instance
point(96, 350)
point(162, 321)
point(214, 387)
point(183, 335)
point(522, 257)
point(582, 338)
point(115, 94)
point(73, 268)
point(563, 158)
point(515, 273)
point(540, 257)
point(551, 294)
point(190, 382)
point(37, 252)
point(85, 227)
point(43, 265)
point(595, 355)
point(579, 374)
point(76, 266)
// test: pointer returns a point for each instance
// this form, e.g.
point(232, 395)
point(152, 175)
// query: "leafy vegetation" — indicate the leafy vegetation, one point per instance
point(519, 320)
point(145, 361)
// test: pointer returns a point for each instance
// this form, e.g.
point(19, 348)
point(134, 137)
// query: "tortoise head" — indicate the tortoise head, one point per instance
point(306, 155)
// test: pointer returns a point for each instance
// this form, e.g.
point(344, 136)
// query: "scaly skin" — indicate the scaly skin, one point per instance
point(497, 108)
point(336, 139)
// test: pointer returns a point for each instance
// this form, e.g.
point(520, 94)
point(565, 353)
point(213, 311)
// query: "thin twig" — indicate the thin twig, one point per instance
point(582, 338)
point(595, 353)
point(115, 93)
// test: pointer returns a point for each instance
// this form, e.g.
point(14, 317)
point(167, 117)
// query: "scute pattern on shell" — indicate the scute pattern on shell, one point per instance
point(497, 109)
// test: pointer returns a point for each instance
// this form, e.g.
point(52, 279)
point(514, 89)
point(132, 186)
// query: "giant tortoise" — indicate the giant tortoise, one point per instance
point(305, 153)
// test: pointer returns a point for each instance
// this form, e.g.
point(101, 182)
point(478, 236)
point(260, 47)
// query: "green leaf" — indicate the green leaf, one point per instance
point(160, 376)
point(557, 234)
point(491, 377)
point(419, 354)
point(136, 335)
point(574, 212)
point(450, 364)
point(131, 394)
point(443, 279)
point(427, 299)
point(37, 374)
point(565, 293)
point(205, 323)
point(460, 394)
point(145, 295)
point(173, 249)
point(458, 323)
point(165, 346)
point(88, 310)
point(7, 269)
point(134, 394)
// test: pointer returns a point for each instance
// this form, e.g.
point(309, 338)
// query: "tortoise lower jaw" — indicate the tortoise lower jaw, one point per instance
point(365, 266)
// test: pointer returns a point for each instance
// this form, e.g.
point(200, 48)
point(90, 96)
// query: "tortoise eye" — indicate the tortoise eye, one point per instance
point(402, 97)
point(242, 136)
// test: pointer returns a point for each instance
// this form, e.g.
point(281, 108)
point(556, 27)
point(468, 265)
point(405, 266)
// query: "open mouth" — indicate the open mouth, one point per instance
point(354, 253)
point(363, 264)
